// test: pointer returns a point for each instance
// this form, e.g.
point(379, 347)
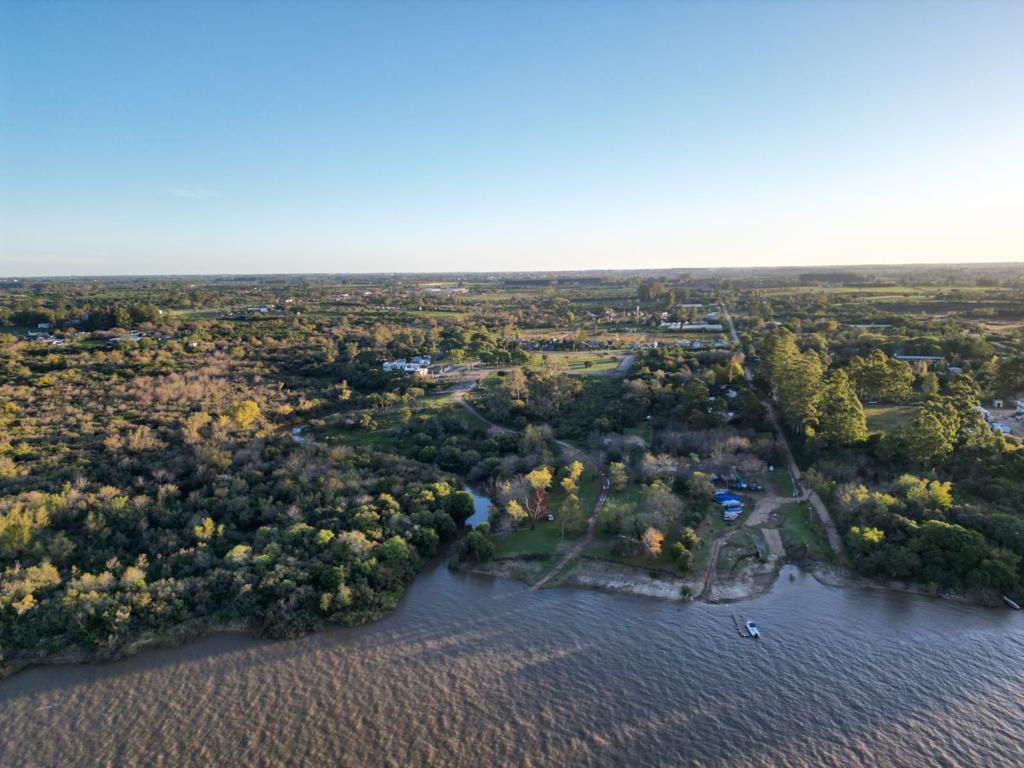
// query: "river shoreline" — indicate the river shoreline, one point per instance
point(180, 635)
point(753, 582)
point(585, 573)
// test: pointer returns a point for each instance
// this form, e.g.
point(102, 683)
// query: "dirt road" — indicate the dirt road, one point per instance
point(709, 574)
point(459, 396)
point(834, 540)
point(574, 551)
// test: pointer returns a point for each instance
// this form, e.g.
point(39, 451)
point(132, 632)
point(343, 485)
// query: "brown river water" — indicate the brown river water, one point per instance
point(475, 671)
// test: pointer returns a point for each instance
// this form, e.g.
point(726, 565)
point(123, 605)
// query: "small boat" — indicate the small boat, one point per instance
point(752, 629)
point(1010, 603)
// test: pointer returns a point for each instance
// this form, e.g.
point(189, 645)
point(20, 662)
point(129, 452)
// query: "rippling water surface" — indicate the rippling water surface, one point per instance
point(471, 671)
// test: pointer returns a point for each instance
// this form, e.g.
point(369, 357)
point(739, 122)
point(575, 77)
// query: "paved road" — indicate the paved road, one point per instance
point(624, 365)
point(736, 340)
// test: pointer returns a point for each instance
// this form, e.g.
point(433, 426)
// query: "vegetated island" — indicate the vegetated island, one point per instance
point(283, 453)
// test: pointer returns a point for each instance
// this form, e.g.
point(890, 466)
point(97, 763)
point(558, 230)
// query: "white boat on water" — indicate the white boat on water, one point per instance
point(752, 629)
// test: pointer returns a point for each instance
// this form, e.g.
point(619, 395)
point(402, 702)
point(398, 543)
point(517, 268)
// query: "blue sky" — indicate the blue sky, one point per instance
point(426, 136)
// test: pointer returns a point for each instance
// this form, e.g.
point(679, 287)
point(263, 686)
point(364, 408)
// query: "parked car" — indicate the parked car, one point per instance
point(550, 518)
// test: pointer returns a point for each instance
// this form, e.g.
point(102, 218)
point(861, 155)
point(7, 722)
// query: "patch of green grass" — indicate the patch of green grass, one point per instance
point(802, 529)
point(576, 362)
point(545, 539)
point(782, 481)
point(888, 418)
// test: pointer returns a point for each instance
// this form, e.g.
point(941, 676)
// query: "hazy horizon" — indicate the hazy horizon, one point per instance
point(311, 138)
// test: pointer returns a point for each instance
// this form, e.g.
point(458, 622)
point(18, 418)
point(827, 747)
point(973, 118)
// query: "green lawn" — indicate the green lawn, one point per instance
point(801, 526)
point(888, 418)
point(576, 362)
point(781, 480)
point(545, 539)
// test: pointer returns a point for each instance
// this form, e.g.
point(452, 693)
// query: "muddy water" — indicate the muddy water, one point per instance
point(471, 671)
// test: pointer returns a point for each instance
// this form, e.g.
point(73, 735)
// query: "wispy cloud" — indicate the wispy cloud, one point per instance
point(193, 193)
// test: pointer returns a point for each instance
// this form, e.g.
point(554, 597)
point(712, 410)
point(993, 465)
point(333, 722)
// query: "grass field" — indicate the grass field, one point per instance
point(888, 418)
point(782, 481)
point(576, 362)
point(545, 539)
point(802, 528)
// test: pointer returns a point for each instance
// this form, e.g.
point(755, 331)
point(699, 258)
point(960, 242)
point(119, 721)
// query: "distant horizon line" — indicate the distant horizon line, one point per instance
point(590, 270)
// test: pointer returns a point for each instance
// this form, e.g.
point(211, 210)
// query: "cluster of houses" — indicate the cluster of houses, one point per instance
point(698, 344)
point(44, 336)
point(1001, 426)
point(418, 365)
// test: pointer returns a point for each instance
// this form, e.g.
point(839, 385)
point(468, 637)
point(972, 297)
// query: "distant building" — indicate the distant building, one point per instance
point(418, 365)
point(923, 358)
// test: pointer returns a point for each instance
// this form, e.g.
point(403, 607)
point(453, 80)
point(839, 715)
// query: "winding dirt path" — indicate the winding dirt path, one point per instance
point(574, 551)
point(459, 396)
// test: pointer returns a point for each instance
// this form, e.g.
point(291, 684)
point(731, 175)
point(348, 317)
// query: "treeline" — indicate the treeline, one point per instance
point(918, 503)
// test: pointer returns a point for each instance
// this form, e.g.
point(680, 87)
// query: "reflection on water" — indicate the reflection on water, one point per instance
point(472, 671)
point(481, 505)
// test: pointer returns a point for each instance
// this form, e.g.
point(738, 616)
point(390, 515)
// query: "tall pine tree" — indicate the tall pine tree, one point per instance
point(840, 414)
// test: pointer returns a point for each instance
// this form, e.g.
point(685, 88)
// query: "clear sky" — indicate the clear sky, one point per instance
point(427, 136)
